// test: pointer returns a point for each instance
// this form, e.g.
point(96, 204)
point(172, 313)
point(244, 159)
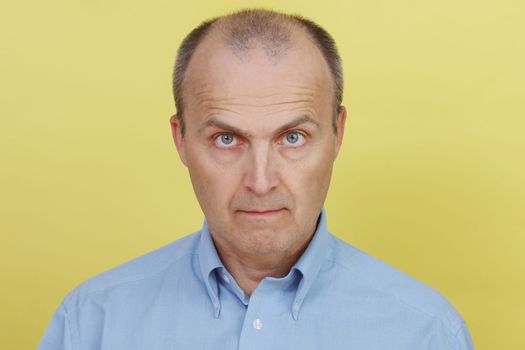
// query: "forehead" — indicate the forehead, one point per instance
point(216, 72)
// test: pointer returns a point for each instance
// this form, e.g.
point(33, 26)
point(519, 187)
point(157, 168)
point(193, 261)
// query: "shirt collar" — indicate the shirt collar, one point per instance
point(209, 261)
point(311, 261)
point(308, 265)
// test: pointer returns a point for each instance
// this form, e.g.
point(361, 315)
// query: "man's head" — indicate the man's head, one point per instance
point(259, 126)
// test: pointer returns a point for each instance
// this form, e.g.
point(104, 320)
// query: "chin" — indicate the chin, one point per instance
point(265, 242)
point(264, 250)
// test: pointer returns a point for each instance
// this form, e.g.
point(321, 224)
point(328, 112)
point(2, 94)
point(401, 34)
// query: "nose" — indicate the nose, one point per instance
point(261, 170)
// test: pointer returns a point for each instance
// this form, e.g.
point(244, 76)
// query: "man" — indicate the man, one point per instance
point(259, 124)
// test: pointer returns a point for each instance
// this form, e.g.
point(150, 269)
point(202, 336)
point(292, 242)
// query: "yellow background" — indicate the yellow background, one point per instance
point(431, 178)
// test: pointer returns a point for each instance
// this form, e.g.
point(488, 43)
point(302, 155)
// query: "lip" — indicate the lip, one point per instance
point(262, 213)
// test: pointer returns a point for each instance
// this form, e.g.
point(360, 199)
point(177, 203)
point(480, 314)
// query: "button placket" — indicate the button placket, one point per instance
point(253, 327)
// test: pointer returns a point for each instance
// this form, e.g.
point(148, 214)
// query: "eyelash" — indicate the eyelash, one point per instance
point(216, 138)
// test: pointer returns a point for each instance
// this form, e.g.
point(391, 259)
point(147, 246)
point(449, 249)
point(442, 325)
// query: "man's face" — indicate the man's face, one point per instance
point(259, 144)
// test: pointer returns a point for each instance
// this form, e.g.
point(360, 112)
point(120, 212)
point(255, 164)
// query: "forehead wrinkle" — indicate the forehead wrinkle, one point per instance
point(261, 105)
point(210, 92)
point(284, 94)
point(214, 121)
point(285, 109)
point(300, 87)
point(309, 112)
point(215, 110)
point(229, 104)
point(206, 97)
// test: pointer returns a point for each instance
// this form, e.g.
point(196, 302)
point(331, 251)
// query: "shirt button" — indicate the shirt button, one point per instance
point(257, 324)
point(226, 279)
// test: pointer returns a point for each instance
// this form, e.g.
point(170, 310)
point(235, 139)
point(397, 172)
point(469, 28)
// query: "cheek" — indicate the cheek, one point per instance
point(214, 182)
point(313, 166)
point(309, 176)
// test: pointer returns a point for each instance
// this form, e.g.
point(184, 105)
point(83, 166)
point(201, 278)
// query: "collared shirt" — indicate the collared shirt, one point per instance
point(182, 297)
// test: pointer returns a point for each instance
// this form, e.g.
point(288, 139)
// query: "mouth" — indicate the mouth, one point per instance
point(261, 213)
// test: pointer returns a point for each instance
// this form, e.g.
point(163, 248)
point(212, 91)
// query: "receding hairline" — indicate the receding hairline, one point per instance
point(242, 31)
point(283, 33)
point(245, 30)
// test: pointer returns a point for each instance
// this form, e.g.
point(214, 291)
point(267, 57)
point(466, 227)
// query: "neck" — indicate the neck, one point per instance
point(248, 270)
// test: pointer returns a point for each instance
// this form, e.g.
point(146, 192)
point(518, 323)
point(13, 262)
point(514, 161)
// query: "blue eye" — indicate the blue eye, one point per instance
point(225, 140)
point(294, 138)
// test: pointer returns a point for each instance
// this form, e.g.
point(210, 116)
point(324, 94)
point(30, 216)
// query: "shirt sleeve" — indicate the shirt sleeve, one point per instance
point(463, 339)
point(58, 333)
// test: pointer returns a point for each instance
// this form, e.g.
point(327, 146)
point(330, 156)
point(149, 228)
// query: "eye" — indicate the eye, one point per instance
point(294, 139)
point(226, 140)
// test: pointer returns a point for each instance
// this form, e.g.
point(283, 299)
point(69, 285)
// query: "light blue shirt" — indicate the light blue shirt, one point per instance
point(181, 297)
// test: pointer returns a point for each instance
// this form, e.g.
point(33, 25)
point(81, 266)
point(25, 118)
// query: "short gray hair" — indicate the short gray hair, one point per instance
point(273, 30)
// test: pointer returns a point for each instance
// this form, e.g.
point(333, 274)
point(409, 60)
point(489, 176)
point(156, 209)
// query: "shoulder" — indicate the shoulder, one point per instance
point(386, 281)
point(138, 270)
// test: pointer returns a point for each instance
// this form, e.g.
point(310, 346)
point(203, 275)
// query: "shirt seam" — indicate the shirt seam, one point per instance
point(121, 283)
point(66, 316)
point(456, 333)
point(415, 308)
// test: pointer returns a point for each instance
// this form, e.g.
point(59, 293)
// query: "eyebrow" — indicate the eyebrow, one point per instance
point(214, 122)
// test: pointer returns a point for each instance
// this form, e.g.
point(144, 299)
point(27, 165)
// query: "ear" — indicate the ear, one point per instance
point(341, 120)
point(176, 132)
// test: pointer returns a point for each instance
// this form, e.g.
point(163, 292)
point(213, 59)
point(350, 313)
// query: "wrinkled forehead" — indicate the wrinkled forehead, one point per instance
point(218, 70)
